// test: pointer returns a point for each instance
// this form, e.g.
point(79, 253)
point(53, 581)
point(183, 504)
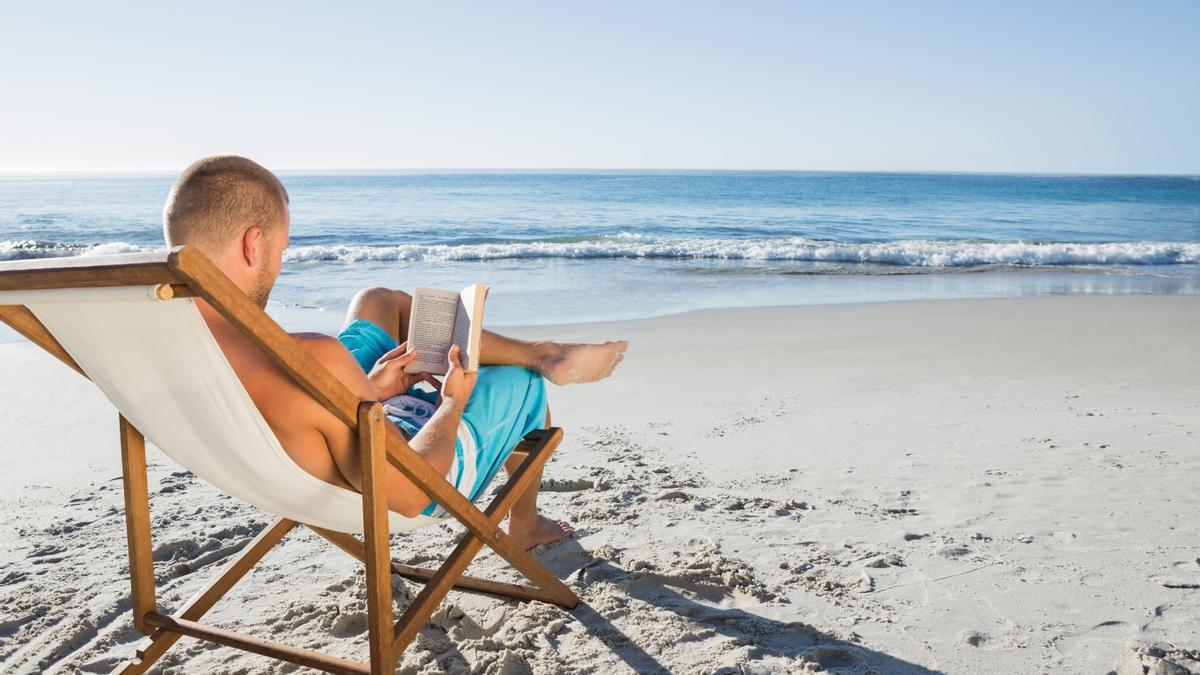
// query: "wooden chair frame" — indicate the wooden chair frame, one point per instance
point(185, 272)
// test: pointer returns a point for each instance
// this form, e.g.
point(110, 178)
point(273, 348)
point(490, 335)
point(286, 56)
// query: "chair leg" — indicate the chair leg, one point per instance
point(445, 578)
point(376, 549)
point(501, 543)
point(137, 525)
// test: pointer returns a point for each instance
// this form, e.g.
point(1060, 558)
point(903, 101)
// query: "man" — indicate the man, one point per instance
point(236, 213)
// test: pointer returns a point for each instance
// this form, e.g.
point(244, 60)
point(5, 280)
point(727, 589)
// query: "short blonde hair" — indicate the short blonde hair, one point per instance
point(217, 199)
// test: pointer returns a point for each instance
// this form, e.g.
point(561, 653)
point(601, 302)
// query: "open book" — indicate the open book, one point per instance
point(443, 318)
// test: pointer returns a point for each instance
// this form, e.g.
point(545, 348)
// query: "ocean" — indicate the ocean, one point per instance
point(559, 247)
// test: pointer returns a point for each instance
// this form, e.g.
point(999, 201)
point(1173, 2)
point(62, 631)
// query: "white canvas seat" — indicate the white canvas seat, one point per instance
point(158, 363)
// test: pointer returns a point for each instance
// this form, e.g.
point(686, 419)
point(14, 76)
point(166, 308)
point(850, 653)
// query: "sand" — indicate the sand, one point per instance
point(976, 486)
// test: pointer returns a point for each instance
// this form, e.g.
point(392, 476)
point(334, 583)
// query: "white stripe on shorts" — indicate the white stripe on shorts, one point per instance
point(462, 474)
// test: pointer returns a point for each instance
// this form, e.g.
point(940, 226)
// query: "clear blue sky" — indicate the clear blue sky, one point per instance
point(1002, 86)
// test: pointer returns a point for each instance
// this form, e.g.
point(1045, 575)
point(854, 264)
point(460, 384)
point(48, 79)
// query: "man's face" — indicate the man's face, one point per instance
point(276, 243)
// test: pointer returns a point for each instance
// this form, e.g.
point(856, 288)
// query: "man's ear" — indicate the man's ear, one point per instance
point(253, 246)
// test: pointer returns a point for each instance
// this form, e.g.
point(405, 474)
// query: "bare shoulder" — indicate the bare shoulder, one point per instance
point(331, 353)
point(316, 341)
point(326, 348)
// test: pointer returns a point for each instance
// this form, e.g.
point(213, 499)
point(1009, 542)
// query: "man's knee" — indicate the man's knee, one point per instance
point(382, 298)
point(383, 307)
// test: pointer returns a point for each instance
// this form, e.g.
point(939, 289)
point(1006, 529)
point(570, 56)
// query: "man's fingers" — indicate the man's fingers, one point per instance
point(395, 352)
point(391, 354)
point(428, 377)
point(398, 357)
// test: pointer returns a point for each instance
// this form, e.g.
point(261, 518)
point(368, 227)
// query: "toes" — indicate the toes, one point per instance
point(613, 366)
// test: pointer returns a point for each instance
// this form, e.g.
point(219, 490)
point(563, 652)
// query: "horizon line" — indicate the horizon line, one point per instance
point(431, 170)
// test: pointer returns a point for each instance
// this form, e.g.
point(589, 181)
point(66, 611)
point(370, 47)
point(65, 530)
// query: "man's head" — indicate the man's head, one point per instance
point(236, 213)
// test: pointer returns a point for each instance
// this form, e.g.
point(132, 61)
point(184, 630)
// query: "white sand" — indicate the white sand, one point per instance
point(995, 486)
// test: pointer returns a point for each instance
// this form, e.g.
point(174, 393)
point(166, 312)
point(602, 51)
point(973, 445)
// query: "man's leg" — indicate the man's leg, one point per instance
point(383, 307)
point(559, 363)
point(525, 525)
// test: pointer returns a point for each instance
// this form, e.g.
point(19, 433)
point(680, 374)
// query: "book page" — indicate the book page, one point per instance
point(468, 327)
point(462, 330)
point(474, 301)
point(431, 328)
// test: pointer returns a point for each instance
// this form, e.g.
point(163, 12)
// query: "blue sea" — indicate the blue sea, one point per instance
point(600, 245)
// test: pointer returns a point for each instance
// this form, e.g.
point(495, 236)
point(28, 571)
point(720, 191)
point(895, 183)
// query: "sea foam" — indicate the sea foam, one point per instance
point(916, 253)
point(909, 253)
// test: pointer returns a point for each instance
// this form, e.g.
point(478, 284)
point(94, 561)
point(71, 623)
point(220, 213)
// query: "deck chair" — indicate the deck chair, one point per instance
point(130, 324)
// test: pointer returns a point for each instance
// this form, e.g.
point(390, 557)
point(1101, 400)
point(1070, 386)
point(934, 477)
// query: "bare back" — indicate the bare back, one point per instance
point(307, 431)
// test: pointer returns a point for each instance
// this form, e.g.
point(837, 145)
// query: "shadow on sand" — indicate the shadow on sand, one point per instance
point(765, 640)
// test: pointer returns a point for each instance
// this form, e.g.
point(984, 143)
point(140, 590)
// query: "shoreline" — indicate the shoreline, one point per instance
point(750, 310)
point(962, 486)
point(297, 319)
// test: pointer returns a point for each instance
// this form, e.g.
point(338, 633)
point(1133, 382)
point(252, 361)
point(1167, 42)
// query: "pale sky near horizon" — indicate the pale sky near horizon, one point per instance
point(1065, 87)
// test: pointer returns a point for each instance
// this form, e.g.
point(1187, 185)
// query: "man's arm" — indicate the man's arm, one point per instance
point(404, 497)
point(435, 442)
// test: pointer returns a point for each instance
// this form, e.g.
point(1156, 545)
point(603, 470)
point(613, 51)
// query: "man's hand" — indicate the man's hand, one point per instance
point(388, 378)
point(459, 384)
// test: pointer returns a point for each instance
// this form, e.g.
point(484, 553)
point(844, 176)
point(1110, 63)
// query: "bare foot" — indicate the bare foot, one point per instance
point(543, 530)
point(579, 363)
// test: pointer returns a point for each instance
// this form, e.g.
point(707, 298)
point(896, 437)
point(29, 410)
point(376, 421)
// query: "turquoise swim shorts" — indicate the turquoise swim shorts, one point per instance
point(507, 403)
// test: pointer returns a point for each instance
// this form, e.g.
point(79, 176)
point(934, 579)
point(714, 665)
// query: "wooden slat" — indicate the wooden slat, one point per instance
point(412, 465)
point(498, 589)
point(137, 525)
point(376, 548)
point(26, 323)
point(150, 649)
point(75, 262)
point(521, 482)
point(440, 584)
point(137, 269)
point(276, 650)
point(210, 283)
point(522, 479)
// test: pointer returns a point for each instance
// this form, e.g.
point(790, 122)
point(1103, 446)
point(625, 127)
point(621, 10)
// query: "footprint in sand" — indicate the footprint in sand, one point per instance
point(986, 641)
point(566, 485)
point(831, 658)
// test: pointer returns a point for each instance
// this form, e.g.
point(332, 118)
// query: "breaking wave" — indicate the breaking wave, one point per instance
point(915, 253)
point(28, 249)
point(908, 253)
